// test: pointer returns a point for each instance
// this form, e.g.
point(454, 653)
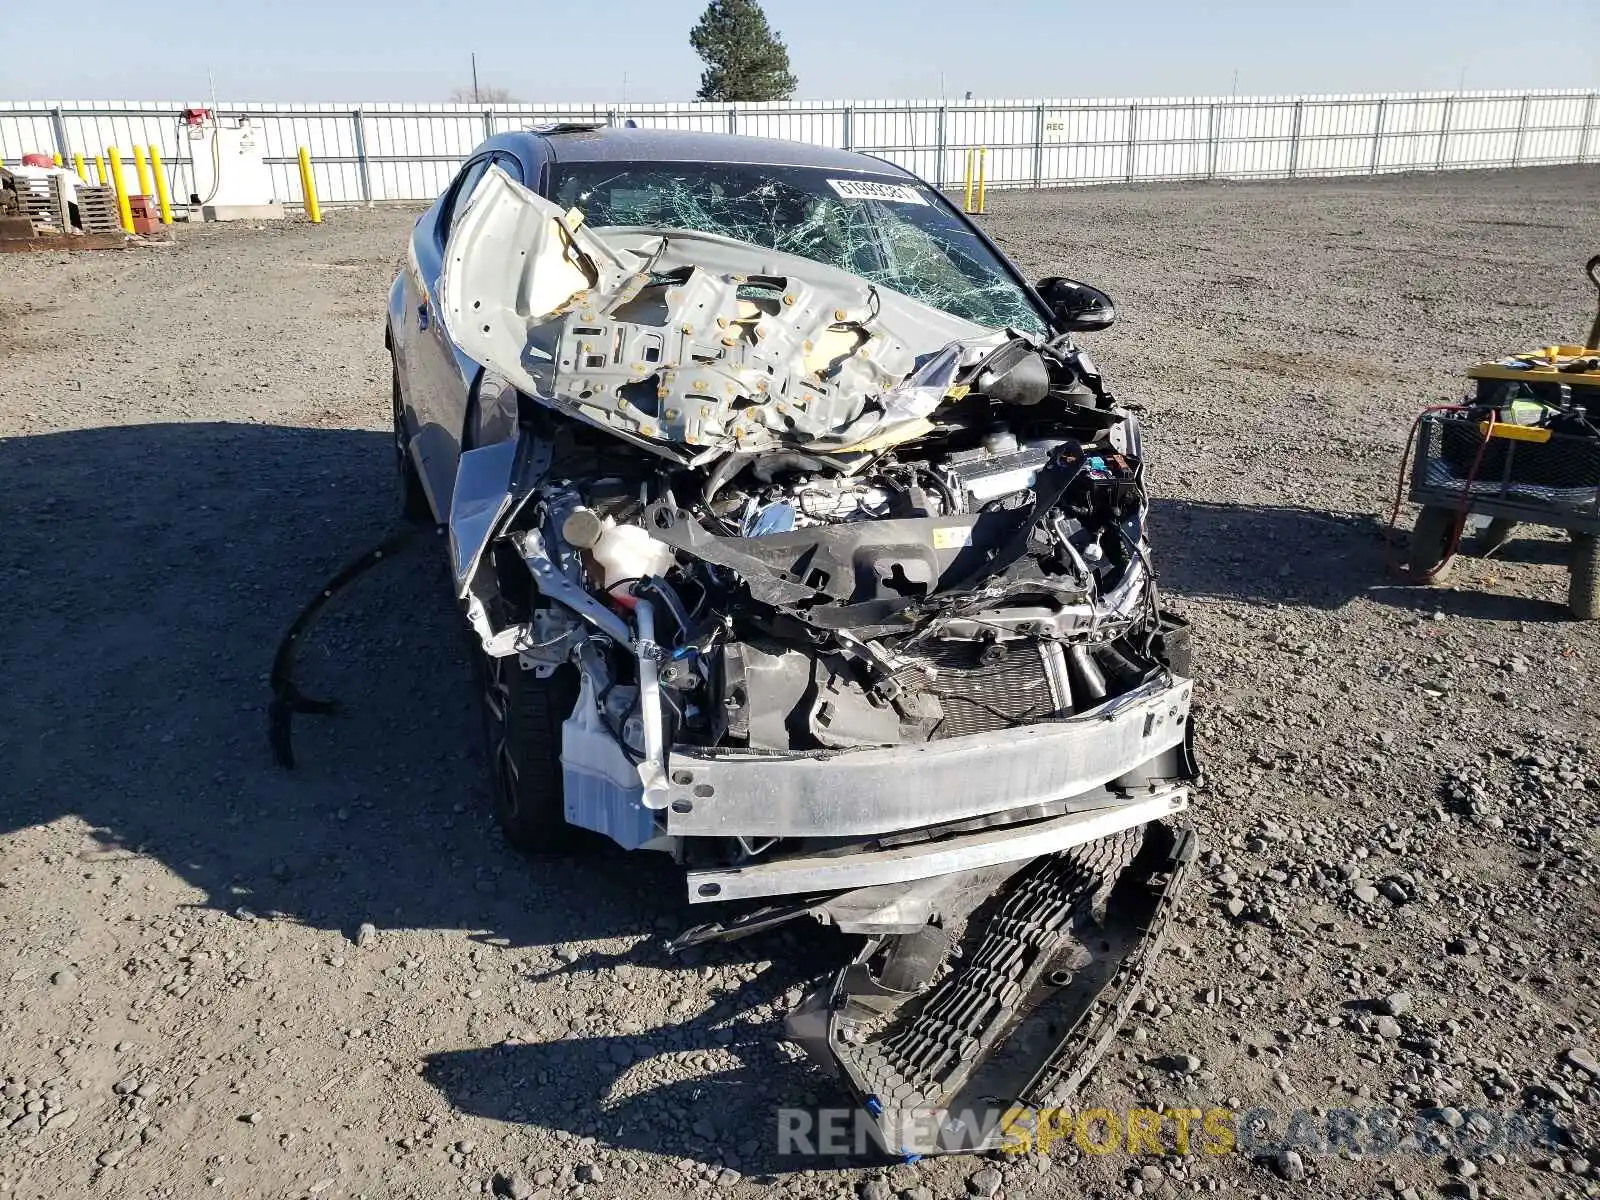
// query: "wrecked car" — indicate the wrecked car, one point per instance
point(800, 541)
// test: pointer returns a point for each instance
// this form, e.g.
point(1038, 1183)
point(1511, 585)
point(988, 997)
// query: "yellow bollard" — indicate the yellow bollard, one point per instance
point(162, 198)
point(56, 158)
point(144, 172)
point(77, 165)
point(124, 212)
point(308, 188)
point(100, 169)
point(983, 155)
point(966, 205)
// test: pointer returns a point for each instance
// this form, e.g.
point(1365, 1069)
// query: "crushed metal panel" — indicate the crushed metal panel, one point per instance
point(482, 496)
point(682, 339)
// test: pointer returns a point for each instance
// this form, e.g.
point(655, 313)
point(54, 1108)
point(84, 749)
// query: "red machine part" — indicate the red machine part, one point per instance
point(196, 116)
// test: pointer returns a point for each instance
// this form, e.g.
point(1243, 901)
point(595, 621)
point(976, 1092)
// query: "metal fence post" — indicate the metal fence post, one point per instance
point(1377, 135)
point(1444, 135)
point(1294, 138)
point(849, 127)
point(1588, 127)
point(59, 127)
point(1522, 128)
point(488, 123)
point(1038, 147)
point(938, 175)
point(733, 120)
point(1211, 140)
point(1133, 139)
point(363, 167)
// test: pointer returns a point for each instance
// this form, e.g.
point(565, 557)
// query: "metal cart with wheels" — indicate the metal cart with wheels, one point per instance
point(1524, 449)
point(1525, 475)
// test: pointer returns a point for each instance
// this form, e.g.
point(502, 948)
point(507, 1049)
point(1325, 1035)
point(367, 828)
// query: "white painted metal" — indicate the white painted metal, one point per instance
point(384, 152)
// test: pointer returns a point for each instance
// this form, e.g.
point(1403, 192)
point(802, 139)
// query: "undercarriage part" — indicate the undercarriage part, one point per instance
point(1048, 970)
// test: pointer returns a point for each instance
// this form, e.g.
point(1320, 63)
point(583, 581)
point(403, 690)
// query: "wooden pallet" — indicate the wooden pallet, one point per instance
point(39, 207)
point(97, 209)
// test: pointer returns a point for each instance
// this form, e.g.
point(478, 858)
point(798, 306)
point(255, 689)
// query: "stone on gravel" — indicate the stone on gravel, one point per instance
point(1388, 1028)
point(1395, 1004)
point(366, 935)
point(1586, 1062)
point(1290, 1166)
point(985, 1183)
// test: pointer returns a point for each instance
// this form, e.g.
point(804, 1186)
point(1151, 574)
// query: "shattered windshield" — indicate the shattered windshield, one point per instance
point(898, 234)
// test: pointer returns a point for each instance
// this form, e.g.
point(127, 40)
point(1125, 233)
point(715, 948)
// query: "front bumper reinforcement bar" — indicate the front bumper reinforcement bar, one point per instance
point(855, 793)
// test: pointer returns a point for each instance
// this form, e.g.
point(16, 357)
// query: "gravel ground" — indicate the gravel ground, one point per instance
point(218, 977)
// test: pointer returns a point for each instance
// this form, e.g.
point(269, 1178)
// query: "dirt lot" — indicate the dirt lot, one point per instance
point(1401, 797)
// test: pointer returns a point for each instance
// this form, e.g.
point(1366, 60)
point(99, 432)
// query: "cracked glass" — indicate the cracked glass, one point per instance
point(898, 235)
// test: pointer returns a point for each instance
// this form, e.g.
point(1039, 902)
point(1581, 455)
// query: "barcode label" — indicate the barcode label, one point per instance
point(866, 189)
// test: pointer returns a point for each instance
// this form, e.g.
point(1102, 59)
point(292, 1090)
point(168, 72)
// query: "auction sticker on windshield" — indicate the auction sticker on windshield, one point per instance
point(866, 189)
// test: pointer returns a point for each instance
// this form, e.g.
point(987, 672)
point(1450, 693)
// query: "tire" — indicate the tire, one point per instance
point(1583, 596)
point(414, 505)
point(522, 717)
point(1495, 534)
point(1431, 559)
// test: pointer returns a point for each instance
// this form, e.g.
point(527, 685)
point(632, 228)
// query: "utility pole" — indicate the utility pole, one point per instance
point(474, 76)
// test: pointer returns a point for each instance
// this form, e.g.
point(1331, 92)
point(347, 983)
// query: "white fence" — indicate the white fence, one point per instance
point(381, 152)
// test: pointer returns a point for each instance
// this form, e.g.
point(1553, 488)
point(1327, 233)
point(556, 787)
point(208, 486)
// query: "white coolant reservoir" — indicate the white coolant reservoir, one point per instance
point(626, 552)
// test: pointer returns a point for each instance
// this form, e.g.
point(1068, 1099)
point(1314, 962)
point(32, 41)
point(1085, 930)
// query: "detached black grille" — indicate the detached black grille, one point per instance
point(980, 699)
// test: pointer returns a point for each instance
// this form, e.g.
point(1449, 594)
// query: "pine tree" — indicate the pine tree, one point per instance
point(745, 59)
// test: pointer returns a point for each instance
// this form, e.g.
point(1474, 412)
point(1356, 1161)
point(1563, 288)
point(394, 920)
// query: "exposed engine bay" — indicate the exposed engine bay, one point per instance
point(854, 608)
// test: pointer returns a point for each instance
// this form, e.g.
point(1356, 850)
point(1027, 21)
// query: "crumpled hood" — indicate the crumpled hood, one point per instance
point(691, 344)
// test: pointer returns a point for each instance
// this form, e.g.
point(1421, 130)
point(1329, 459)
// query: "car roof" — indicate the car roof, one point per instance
point(610, 143)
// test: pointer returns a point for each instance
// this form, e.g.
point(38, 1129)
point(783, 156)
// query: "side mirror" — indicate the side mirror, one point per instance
point(1077, 307)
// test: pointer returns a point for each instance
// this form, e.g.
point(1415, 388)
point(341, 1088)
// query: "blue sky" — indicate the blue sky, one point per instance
point(544, 51)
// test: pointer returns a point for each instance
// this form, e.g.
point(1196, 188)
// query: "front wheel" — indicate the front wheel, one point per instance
point(522, 718)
